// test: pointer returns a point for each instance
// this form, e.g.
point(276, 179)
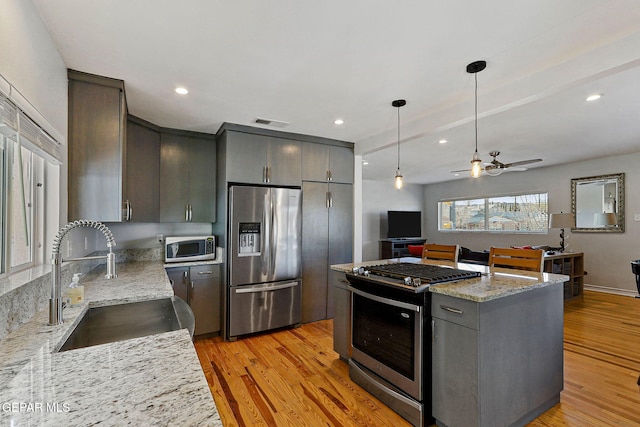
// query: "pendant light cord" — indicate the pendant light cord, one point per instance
point(398, 138)
point(475, 75)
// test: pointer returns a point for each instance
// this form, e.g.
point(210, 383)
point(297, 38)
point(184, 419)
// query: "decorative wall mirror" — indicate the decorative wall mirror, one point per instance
point(597, 203)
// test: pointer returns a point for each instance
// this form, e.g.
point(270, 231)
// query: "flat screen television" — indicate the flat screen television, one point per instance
point(404, 224)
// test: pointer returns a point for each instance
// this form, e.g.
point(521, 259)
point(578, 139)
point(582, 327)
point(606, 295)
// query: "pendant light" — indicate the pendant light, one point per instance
point(399, 103)
point(474, 68)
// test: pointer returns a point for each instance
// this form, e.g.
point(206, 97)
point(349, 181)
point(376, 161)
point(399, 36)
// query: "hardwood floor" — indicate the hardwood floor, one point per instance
point(293, 378)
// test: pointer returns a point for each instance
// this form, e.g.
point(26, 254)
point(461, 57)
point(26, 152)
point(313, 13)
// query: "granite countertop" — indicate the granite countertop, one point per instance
point(152, 380)
point(492, 284)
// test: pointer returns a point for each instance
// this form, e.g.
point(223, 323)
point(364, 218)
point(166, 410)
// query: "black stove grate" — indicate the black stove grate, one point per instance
point(430, 274)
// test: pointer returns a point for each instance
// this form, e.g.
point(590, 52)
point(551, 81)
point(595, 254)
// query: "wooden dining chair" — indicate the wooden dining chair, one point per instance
point(522, 259)
point(446, 252)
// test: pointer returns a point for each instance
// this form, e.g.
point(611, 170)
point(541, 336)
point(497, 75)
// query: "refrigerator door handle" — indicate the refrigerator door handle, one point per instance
point(266, 242)
point(262, 288)
point(274, 234)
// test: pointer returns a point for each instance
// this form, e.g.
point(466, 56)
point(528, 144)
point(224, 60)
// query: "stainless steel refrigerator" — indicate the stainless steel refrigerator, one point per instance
point(264, 258)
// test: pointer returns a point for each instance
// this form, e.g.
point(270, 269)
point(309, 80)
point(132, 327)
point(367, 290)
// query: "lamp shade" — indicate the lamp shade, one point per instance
point(561, 220)
point(604, 219)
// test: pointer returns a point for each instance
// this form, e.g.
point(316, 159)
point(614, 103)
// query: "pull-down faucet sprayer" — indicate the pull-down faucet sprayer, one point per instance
point(55, 303)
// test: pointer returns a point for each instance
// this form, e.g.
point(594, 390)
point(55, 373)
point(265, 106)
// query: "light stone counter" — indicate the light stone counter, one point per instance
point(153, 380)
point(492, 284)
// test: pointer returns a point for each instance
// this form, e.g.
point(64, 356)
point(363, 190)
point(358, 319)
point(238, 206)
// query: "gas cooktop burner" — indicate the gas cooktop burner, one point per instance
point(428, 274)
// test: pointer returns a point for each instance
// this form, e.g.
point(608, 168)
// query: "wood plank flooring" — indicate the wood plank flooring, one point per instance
point(293, 378)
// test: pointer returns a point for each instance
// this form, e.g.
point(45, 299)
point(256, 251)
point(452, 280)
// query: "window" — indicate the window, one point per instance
point(519, 213)
point(23, 149)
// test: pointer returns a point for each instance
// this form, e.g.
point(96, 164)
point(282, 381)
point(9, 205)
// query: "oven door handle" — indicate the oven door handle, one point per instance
point(383, 300)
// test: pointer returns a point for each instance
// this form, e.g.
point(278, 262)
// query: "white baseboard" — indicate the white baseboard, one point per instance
point(617, 291)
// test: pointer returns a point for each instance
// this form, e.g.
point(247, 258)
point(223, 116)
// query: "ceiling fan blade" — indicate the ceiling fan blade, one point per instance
point(523, 162)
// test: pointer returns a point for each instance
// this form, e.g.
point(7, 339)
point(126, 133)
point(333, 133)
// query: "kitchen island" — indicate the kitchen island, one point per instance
point(152, 380)
point(496, 344)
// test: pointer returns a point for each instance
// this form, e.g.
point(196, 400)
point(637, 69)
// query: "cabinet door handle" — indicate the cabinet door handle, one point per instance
point(186, 213)
point(127, 211)
point(190, 213)
point(433, 330)
point(205, 272)
point(329, 202)
point(451, 309)
point(192, 285)
point(268, 168)
point(329, 176)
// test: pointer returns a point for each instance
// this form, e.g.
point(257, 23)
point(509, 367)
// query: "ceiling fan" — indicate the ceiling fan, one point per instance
point(495, 167)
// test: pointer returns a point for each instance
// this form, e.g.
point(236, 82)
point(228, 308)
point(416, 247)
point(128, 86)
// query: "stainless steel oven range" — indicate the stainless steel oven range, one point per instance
point(391, 335)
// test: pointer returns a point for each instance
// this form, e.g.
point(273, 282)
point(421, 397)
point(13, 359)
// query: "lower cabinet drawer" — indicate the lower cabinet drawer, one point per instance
point(455, 310)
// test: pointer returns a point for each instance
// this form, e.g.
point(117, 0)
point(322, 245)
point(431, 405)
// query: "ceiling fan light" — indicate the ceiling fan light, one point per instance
point(493, 170)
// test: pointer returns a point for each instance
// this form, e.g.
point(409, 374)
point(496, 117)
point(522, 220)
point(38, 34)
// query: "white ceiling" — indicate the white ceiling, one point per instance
point(308, 63)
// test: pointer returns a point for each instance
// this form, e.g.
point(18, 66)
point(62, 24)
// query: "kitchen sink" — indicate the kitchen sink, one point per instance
point(101, 325)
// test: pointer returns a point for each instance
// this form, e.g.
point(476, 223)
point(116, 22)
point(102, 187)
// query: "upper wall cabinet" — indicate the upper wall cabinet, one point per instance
point(187, 178)
point(143, 172)
point(97, 147)
point(321, 162)
point(260, 159)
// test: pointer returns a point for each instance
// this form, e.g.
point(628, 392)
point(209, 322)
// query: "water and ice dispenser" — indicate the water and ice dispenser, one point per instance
point(249, 239)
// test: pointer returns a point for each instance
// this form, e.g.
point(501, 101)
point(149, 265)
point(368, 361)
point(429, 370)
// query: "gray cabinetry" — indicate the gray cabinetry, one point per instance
point(97, 147)
point(143, 172)
point(187, 178)
point(327, 230)
point(200, 286)
point(498, 362)
point(322, 162)
point(341, 314)
point(261, 159)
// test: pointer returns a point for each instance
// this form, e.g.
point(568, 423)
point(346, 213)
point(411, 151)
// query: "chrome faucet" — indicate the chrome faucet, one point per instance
point(55, 303)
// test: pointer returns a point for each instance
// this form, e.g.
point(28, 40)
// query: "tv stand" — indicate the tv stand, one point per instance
point(399, 247)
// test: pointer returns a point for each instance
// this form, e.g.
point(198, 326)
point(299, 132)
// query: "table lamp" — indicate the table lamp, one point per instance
point(561, 220)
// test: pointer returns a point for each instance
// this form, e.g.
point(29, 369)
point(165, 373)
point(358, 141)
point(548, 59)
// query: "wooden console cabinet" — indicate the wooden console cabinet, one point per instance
point(572, 265)
point(396, 248)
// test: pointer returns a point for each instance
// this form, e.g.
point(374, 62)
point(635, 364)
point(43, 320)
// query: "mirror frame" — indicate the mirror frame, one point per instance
point(619, 177)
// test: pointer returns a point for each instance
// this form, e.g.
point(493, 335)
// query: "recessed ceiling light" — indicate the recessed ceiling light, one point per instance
point(364, 162)
point(442, 141)
point(182, 90)
point(594, 97)
point(456, 174)
point(338, 122)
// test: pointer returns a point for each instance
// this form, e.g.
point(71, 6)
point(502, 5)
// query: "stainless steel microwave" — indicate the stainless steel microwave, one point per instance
point(190, 248)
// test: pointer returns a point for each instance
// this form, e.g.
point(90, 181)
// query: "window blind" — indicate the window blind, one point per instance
point(14, 121)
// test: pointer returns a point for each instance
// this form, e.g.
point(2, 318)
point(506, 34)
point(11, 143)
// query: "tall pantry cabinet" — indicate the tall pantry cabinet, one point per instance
point(327, 223)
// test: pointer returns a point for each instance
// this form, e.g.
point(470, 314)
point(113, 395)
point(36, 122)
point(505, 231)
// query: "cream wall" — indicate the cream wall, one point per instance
point(31, 63)
point(607, 256)
point(377, 198)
